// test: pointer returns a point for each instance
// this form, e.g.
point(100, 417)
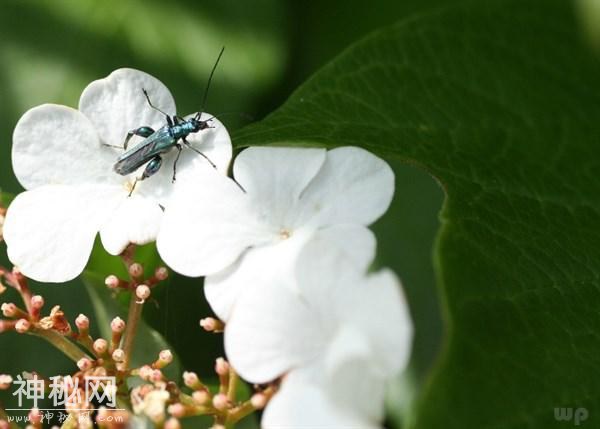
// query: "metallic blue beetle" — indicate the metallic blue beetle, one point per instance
point(156, 143)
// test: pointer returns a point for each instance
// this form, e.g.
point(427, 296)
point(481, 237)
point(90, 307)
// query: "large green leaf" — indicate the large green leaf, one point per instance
point(499, 101)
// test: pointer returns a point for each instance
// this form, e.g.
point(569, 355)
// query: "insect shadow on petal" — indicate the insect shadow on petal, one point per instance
point(158, 142)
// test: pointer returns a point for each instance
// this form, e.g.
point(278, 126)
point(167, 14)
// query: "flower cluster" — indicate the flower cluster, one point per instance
point(64, 158)
point(283, 245)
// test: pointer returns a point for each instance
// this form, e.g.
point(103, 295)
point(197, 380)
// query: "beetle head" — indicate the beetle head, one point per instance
point(198, 124)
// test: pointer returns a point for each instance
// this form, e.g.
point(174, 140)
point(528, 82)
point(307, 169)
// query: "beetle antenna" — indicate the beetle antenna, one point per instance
point(212, 72)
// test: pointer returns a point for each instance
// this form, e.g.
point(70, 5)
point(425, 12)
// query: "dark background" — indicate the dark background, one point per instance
point(50, 50)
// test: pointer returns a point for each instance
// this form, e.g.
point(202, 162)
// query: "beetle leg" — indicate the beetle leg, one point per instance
point(141, 131)
point(151, 168)
point(188, 144)
point(178, 146)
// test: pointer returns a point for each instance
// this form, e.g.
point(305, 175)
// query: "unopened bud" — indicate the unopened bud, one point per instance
point(100, 346)
point(258, 401)
point(136, 270)
point(84, 364)
point(172, 423)
point(35, 416)
point(220, 401)
point(5, 381)
point(200, 397)
point(211, 324)
point(4, 424)
point(161, 273)
point(221, 366)
point(145, 372)
point(156, 375)
point(9, 309)
point(112, 282)
point(118, 355)
point(117, 325)
point(191, 380)
point(142, 292)
point(37, 302)
point(22, 326)
point(165, 357)
point(176, 410)
point(82, 322)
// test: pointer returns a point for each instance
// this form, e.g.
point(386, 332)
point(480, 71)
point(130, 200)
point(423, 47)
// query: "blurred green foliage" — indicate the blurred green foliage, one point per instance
point(51, 49)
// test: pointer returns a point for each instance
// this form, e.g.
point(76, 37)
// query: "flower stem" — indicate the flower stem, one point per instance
point(61, 343)
point(232, 387)
point(133, 319)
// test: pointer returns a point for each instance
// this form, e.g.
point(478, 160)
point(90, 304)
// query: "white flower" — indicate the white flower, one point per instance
point(60, 156)
point(237, 233)
point(152, 405)
point(336, 332)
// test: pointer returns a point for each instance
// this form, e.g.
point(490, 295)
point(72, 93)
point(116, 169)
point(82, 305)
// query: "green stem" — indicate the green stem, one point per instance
point(61, 343)
point(232, 388)
point(235, 416)
point(133, 319)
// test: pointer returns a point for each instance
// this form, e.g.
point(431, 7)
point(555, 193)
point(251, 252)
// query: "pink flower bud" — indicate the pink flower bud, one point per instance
point(118, 355)
point(82, 322)
point(176, 410)
point(142, 292)
point(112, 282)
point(35, 416)
point(166, 356)
point(84, 364)
point(161, 273)
point(5, 381)
point(22, 326)
point(172, 423)
point(156, 375)
point(145, 372)
point(8, 309)
point(4, 424)
point(220, 401)
point(221, 366)
point(211, 324)
point(100, 346)
point(190, 379)
point(200, 397)
point(136, 270)
point(117, 325)
point(37, 302)
point(258, 401)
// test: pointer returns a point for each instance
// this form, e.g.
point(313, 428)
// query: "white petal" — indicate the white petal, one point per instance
point(333, 261)
point(275, 178)
point(267, 312)
point(208, 225)
point(352, 374)
point(55, 144)
point(135, 220)
point(259, 265)
point(214, 143)
point(353, 186)
point(50, 230)
point(302, 404)
point(386, 318)
point(264, 307)
point(116, 104)
point(334, 281)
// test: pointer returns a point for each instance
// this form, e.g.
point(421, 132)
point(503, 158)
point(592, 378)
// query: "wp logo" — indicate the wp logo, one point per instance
point(567, 414)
